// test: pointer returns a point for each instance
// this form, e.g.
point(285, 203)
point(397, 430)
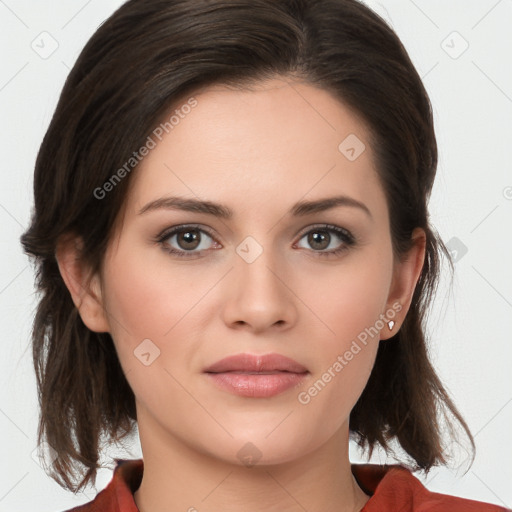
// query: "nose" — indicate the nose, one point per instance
point(259, 295)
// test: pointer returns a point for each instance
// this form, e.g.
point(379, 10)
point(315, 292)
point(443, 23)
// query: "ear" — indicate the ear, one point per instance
point(85, 289)
point(405, 276)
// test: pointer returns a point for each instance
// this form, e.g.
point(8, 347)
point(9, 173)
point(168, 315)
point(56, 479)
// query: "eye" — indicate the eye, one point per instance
point(189, 241)
point(186, 241)
point(322, 239)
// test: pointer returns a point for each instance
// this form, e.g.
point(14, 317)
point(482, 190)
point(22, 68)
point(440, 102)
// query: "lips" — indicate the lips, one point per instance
point(248, 363)
point(256, 376)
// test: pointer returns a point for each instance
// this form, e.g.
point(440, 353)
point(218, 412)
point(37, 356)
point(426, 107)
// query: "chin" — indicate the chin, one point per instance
point(265, 447)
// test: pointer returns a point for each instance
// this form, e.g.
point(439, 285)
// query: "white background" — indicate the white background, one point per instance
point(470, 327)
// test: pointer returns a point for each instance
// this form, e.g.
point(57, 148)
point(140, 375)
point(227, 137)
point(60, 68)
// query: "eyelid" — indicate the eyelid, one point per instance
point(327, 227)
point(167, 232)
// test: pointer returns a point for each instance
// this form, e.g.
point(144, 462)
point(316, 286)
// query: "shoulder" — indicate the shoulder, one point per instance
point(118, 495)
point(394, 487)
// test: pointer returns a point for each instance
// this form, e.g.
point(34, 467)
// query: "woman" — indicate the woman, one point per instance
point(235, 258)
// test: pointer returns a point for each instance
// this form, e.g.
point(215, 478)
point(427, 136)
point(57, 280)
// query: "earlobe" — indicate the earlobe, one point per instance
point(405, 277)
point(85, 289)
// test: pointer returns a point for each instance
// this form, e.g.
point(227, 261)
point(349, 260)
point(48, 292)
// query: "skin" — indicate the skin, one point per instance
point(257, 151)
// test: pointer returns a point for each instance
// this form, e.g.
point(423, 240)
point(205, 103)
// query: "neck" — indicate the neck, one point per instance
point(178, 477)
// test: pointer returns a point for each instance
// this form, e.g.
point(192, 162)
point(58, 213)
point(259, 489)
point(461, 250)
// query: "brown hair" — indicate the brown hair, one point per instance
point(143, 58)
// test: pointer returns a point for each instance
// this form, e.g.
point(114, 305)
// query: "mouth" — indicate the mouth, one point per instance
point(256, 376)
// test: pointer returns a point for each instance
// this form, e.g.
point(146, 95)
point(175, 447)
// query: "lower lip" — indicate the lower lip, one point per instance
point(257, 385)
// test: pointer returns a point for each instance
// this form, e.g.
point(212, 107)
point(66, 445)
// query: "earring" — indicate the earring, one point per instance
point(391, 324)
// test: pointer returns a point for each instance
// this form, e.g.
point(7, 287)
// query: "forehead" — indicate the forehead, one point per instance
point(273, 142)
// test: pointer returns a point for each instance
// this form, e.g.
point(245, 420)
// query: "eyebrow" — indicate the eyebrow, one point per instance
point(299, 209)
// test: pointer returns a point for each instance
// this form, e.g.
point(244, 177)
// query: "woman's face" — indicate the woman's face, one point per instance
point(270, 278)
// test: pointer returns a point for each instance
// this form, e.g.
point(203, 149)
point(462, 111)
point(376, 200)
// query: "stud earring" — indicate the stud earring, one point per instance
point(391, 324)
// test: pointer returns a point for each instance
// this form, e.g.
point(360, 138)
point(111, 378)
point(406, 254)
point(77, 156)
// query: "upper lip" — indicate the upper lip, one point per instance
point(256, 364)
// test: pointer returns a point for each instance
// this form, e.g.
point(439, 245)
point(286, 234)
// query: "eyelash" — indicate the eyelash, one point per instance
point(347, 238)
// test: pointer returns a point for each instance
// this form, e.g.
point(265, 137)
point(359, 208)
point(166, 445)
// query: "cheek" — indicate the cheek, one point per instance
point(148, 299)
point(349, 298)
point(349, 302)
point(149, 296)
point(148, 320)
